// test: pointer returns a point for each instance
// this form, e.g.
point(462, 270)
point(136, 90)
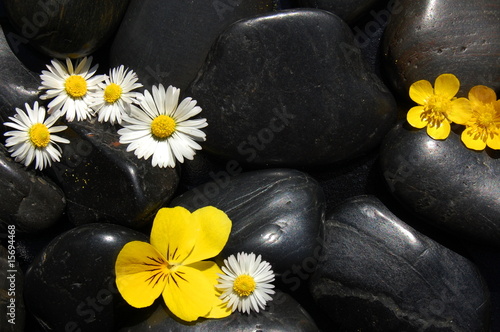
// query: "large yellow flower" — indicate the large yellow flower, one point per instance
point(484, 126)
point(438, 106)
point(173, 264)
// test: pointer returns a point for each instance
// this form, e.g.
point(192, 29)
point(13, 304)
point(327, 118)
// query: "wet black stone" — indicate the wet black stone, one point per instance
point(104, 183)
point(71, 284)
point(428, 38)
point(291, 89)
point(347, 10)
point(282, 314)
point(61, 28)
point(29, 201)
point(452, 187)
point(277, 213)
point(167, 41)
point(12, 308)
point(18, 85)
point(378, 274)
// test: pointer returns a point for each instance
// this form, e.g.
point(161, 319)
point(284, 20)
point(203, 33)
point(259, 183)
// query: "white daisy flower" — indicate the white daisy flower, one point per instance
point(70, 88)
point(246, 284)
point(162, 128)
point(32, 137)
point(114, 96)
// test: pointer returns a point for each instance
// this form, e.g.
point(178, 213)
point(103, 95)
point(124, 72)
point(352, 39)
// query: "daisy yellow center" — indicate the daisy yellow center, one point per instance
point(244, 285)
point(435, 110)
point(112, 93)
point(75, 86)
point(163, 126)
point(39, 135)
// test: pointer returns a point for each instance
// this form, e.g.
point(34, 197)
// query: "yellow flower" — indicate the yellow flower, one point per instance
point(172, 265)
point(438, 106)
point(484, 126)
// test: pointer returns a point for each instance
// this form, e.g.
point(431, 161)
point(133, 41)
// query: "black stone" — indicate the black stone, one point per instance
point(452, 187)
point(71, 284)
point(167, 41)
point(378, 274)
point(277, 213)
point(283, 313)
point(18, 85)
point(428, 38)
point(291, 89)
point(12, 308)
point(105, 183)
point(62, 28)
point(29, 202)
point(348, 10)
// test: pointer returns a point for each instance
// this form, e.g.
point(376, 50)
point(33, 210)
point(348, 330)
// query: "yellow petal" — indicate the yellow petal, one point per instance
point(446, 85)
point(460, 111)
point(493, 141)
point(420, 91)
point(211, 271)
point(215, 227)
point(189, 294)
point(482, 94)
point(441, 132)
point(174, 233)
point(140, 276)
point(472, 140)
point(414, 117)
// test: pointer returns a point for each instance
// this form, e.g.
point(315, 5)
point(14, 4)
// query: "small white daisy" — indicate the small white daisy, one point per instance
point(162, 129)
point(70, 88)
point(246, 284)
point(114, 97)
point(32, 137)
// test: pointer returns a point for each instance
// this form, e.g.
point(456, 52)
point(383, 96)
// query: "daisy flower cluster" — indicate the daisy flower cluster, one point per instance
point(438, 108)
point(154, 124)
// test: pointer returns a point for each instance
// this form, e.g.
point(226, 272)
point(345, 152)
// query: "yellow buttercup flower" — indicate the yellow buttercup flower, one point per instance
point(438, 106)
point(483, 129)
point(173, 264)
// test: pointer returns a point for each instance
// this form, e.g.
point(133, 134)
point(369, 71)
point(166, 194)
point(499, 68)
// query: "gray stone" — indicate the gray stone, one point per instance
point(277, 213)
point(428, 38)
point(283, 314)
point(29, 201)
point(378, 274)
point(348, 10)
point(450, 186)
point(291, 89)
point(167, 41)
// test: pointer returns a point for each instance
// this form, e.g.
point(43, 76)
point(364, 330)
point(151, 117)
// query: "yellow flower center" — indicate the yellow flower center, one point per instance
point(435, 110)
point(75, 86)
point(163, 126)
point(485, 115)
point(39, 135)
point(112, 93)
point(244, 285)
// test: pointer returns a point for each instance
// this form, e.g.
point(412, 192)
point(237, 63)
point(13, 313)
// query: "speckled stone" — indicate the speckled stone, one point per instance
point(378, 274)
point(290, 89)
point(29, 201)
point(70, 286)
point(450, 186)
point(63, 28)
point(283, 314)
point(103, 182)
point(277, 213)
point(428, 38)
point(179, 36)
